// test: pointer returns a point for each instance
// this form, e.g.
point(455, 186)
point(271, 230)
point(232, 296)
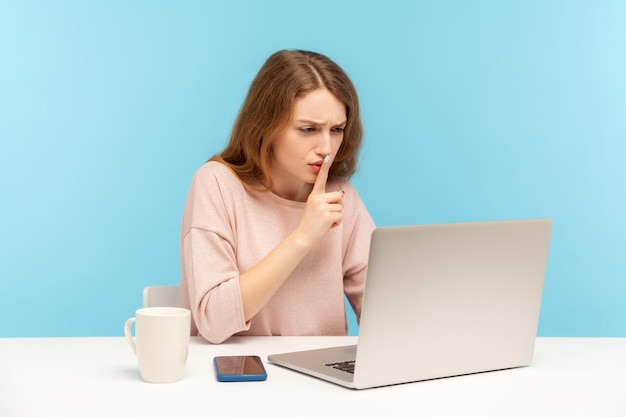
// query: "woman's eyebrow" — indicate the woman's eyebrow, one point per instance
point(317, 122)
point(309, 121)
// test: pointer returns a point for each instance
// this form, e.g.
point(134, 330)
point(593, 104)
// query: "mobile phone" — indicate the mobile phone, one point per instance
point(239, 368)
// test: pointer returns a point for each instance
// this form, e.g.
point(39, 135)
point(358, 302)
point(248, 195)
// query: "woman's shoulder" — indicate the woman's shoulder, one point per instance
point(216, 178)
point(213, 170)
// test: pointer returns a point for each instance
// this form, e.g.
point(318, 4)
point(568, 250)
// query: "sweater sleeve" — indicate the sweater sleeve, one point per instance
point(210, 277)
point(357, 250)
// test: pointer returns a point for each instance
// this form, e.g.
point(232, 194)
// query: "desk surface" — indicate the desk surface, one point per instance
point(99, 377)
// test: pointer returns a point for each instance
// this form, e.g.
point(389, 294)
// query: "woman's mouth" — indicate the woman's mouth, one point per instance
point(316, 166)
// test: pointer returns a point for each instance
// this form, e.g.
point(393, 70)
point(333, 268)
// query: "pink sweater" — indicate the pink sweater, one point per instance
point(227, 229)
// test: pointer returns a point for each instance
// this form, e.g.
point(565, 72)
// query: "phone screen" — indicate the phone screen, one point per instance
point(239, 368)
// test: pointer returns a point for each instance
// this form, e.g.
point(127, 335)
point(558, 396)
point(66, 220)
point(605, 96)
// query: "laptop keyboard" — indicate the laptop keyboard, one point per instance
point(346, 366)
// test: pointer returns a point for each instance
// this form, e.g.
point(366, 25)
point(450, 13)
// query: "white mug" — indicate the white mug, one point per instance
point(161, 342)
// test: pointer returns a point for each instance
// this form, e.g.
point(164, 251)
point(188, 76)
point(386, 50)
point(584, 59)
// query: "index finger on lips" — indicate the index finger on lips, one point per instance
point(319, 187)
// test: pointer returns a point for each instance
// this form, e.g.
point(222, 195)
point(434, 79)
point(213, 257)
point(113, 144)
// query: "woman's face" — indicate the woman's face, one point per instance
point(315, 130)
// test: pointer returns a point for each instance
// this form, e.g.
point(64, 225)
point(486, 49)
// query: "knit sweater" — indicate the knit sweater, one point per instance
point(228, 228)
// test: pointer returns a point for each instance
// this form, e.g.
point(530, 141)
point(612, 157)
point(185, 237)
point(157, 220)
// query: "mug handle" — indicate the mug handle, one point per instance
point(129, 336)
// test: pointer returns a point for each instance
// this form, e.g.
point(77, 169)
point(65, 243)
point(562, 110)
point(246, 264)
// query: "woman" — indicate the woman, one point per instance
point(273, 235)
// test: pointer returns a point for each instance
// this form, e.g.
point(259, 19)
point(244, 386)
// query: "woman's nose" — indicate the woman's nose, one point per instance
point(324, 147)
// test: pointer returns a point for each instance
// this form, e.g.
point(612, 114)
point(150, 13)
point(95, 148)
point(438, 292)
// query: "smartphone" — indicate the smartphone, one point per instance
point(239, 368)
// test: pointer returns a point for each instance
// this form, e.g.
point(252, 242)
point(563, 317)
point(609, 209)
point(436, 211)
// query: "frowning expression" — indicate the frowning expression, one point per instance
point(315, 130)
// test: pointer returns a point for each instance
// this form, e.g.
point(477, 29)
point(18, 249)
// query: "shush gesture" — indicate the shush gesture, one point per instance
point(323, 210)
point(268, 265)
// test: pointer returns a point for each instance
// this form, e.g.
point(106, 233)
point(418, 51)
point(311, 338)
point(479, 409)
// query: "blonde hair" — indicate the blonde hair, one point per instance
point(286, 76)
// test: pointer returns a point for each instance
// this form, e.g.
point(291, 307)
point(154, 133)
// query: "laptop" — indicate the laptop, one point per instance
point(441, 300)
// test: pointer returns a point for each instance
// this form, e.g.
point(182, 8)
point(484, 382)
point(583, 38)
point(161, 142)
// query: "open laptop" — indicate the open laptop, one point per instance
point(441, 300)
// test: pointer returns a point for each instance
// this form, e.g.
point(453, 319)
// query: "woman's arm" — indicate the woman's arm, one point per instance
point(323, 211)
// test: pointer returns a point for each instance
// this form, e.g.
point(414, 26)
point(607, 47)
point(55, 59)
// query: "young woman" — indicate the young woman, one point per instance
point(273, 234)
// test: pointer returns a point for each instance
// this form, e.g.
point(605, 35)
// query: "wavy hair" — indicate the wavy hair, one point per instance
point(286, 76)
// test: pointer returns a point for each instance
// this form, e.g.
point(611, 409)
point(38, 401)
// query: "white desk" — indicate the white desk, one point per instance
point(99, 377)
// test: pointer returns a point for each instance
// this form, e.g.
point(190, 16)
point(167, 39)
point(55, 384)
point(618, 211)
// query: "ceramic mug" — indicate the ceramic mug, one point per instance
point(161, 342)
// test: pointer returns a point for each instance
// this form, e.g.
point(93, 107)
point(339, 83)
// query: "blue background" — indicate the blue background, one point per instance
point(473, 110)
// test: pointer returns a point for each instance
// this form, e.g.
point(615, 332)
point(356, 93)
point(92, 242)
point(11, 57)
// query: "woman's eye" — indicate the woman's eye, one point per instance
point(307, 129)
point(339, 129)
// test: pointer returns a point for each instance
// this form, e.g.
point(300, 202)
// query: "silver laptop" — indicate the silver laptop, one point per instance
point(441, 300)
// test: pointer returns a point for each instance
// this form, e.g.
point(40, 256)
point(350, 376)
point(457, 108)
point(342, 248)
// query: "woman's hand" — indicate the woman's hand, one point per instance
point(323, 211)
